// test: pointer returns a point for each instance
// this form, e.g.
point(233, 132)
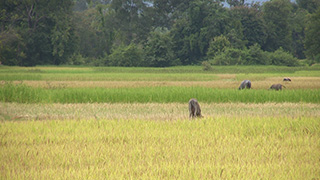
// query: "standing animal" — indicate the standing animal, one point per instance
point(277, 87)
point(286, 79)
point(194, 109)
point(246, 84)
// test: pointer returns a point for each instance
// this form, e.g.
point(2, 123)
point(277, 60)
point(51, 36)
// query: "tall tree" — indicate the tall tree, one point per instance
point(312, 41)
point(297, 25)
point(309, 5)
point(132, 19)
point(200, 23)
point(44, 27)
point(253, 25)
point(276, 14)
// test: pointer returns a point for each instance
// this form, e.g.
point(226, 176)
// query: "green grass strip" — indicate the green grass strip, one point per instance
point(25, 94)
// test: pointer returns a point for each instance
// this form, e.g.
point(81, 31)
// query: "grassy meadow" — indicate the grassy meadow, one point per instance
point(132, 123)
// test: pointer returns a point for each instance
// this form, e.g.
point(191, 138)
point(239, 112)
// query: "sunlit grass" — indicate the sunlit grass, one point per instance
point(224, 81)
point(210, 148)
point(25, 94)
point(187, 73)
point(152, 111)
point(132, 123)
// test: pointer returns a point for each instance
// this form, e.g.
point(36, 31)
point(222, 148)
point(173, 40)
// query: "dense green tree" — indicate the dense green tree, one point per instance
point(231, 56)
point(157, 32)
point(44, 28)
point(252, 23)
point(167, 11)
point(312, 40)
point(11, 48)
point(158, 49)
point(235, 3)
point(128, 56)
point(276, 14)
point(89, 44)
point(257, 56)
point(309, 5)
point(217, 46)
point(191, 34)
point(297, 26)
point(282, 58)
point(132, 20)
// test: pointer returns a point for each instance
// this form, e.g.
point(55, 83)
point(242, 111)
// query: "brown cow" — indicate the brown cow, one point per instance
point(277, 87)
point(194, 109)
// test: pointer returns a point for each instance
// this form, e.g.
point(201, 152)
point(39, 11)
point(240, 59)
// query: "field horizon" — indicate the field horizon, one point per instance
point(132, 123)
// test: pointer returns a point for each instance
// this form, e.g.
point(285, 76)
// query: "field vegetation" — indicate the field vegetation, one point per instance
point(152, 111)
point(132, 123)
point(210, 148)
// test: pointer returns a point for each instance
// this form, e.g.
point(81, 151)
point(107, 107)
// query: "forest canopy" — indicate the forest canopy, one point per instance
point(159, 33)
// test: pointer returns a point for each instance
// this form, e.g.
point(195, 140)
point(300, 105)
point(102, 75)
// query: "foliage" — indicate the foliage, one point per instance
point(217, 46)
point(41, 29)
point(276, 15)
point(128, 56)
point(309, 5)
point(206, 66)
point(280, 57)
point(312, 40)
point(11, 48)
point(168, 33)
point(191, 33)
point(257, 56)
point(158, 49)
point(253, 25)
point(230, 56)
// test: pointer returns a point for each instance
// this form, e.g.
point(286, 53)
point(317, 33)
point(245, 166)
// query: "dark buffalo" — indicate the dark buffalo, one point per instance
point(277, 87)
point(246, 84)
point(286, 79)
point(194, 109)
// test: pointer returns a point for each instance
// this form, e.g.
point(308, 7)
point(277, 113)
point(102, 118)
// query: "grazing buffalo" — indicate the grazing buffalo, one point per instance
point(277, 86)
point(286, 79)
point(194, 109)
point(246, 84)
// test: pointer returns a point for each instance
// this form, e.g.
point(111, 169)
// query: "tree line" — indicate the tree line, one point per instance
point(159, 33)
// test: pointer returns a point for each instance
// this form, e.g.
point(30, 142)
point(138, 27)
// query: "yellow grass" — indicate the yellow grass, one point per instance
point(209, 148)
point(152, 111)
point(228, 81)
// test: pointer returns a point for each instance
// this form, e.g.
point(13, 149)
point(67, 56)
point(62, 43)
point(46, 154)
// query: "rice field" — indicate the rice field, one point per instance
point(132, 123)
point(210, 148)
point(152, 111)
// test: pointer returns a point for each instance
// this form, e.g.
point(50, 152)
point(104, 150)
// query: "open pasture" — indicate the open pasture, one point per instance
point(132, 123)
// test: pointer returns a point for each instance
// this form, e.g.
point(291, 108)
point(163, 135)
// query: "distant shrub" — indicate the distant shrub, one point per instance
point(128, 56)
point(76, 59)
point(256, 56)
point(230, 56)
point(158, 50)
point(280, 57)
point(217, 46)
point(206, 66)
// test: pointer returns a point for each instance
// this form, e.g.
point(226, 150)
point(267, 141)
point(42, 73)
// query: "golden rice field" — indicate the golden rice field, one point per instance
point(153, 111)
point(208, 148)
point(227, 83)
point(234, 140)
